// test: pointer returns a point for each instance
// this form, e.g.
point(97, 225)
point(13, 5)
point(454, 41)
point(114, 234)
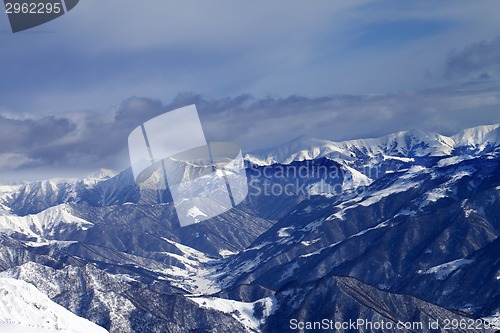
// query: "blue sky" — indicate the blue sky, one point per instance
point(262, 72)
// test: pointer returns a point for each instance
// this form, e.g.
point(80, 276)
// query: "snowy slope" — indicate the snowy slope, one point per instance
point(44, 225)
point(33, 197)
point(300, 149)
point(478, 137)
point(442, 271)
point(242, 311)
point(23, 308)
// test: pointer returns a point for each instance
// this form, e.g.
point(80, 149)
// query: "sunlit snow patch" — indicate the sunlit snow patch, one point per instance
point(245, 313)
point(444, 270)
point(195, 212)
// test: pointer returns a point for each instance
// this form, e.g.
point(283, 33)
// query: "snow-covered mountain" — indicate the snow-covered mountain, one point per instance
point(24, 309)
point(405, 144)
point(403, 228)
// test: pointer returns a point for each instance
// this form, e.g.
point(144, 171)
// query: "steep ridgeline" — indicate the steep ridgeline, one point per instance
point(399, 229)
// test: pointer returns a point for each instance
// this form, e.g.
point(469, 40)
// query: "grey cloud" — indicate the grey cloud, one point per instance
point(134, 111)
point(20, 135)
point(94, 141)
point(478, 61)
point(260, 123)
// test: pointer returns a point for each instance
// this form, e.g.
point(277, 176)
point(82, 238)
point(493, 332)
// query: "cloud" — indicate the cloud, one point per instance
point(344, 70)
point(22, 135)
point(87, 141)
point(105, 51)
point(479, 60)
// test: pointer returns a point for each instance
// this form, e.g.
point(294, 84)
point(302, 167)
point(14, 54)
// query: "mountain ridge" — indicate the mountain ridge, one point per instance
point(405, 144)
point(419, 234)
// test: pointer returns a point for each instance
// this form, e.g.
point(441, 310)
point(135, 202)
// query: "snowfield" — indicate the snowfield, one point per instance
point(241, 311)
point(44, 224)
point(23, 308)
point(444, 270)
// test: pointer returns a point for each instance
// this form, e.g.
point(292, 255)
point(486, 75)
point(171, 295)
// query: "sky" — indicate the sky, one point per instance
point(260, 72)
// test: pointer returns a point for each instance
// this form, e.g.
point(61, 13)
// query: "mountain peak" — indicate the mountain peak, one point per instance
point(101, 173)
point(479, 136)
point(299, 149)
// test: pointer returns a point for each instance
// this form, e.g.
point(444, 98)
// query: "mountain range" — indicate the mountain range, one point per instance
point(398, 229)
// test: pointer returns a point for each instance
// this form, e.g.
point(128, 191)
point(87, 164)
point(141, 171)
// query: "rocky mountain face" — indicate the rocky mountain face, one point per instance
point(401, 229)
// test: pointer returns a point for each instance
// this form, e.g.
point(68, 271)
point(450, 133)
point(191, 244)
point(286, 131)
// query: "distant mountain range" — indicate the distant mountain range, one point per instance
point(398, 229)
point(406, 144)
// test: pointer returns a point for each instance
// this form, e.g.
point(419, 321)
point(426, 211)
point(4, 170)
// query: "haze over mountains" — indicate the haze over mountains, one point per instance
point(402, 228)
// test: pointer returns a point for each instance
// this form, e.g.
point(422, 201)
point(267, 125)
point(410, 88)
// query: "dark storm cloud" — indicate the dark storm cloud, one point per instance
point(23, 135)
point(477, 61)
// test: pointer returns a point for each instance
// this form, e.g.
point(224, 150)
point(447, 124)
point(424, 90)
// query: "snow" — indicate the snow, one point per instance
point(320, 250)
point(478, 136)
point(397, 158)
point(197, 276)
point(364, 231)
point(308, 209)
point(18, 328)
point(443, 190)
point(283, 232)
point(194, 212)
point(124, 278)
point(411, 172)
point(41, 225)
point(300, 149)
point(400, 146)
point(493, 320)
point(444, 270)
point(226, 253)
point(248, 266)
point(395, 188)
point(55, 243)
point(323, 188)
point(289, 271)
point(257, 247)
point(23, 308)
point(7, 191)
point(453, 160)
point(309, 243)
point(313, 225)
point(434, 195)
point(354, 179)
point(97, 176)
point(189, 252)
point(383, 286)
point(241, 311)
point(338, 215)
